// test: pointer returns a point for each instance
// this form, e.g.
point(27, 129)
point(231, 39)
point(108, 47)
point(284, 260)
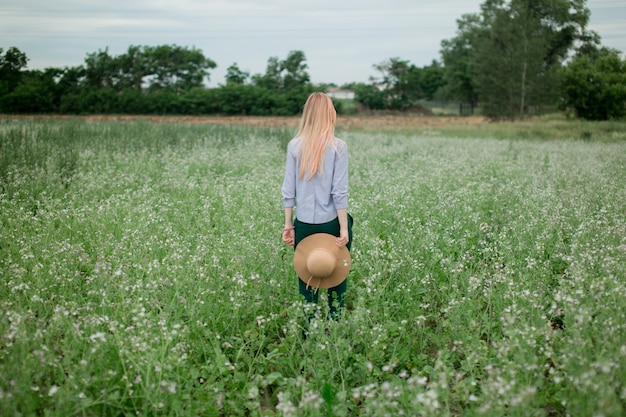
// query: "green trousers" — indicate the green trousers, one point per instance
point(336, 294)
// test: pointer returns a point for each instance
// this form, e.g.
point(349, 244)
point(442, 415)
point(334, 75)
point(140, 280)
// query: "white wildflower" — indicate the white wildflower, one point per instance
point(97, 336)
point(285, 406)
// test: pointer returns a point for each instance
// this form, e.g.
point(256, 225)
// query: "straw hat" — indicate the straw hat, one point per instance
point(320, 263)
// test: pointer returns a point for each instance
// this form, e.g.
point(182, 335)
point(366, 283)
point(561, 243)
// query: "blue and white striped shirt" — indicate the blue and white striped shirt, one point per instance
point(317, 199)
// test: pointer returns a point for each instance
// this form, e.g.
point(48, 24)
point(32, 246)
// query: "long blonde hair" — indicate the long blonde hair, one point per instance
point(316, 132)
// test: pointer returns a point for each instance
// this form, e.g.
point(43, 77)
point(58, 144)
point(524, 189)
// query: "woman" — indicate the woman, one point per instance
point(316, 184)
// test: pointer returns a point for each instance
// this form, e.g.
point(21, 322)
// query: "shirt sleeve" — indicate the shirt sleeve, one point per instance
point(339, 190)
point(289, 182)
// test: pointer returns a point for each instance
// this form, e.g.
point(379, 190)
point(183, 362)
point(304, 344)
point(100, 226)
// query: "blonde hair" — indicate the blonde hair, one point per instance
point(316, 132)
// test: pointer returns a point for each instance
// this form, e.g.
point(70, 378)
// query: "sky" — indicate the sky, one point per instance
point(342, 40)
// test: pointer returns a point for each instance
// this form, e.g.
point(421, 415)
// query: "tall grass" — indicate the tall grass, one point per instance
point(142, 273)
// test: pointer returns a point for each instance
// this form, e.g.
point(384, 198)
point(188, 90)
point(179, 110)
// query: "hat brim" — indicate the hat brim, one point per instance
point(328, 242)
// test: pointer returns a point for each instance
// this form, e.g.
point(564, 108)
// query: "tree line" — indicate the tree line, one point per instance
point(513, 59)
point(166, 79)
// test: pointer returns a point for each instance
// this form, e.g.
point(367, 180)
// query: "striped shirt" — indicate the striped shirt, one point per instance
point(317, 199)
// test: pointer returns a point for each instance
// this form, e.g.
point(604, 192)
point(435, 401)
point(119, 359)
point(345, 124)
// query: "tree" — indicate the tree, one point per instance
point(272, 79)
point(457, 55)
point(175, 67)
point(594, 85)
point(100, 69)
point(235, 76)
point(37, 92)
point(432, 80)
point(512, 52)
point(511, 62)
point(294, 68)
point(288, 74)
point(399, 83)
point(12, 65)
point(132, 68)
point(370, 96)
point(148, 67)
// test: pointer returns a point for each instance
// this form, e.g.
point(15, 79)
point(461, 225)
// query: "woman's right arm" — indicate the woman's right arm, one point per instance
point(344, 237)
point(339, 192)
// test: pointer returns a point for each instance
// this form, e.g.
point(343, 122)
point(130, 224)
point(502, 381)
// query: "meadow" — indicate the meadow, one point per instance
point(142, 273)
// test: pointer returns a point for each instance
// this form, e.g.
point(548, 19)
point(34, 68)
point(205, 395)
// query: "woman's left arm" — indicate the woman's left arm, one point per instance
point(344, 237)
point(339, 187)
point(289, 235)
point(288, 191)
point(340, 193)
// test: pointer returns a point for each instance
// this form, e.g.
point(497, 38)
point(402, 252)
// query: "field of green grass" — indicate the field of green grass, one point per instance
point(142, 273)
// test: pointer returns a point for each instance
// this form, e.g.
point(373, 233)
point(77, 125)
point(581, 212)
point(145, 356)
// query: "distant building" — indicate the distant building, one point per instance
point(338, 93)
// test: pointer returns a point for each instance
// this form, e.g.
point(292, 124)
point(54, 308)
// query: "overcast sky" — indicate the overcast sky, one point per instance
point(341, 39)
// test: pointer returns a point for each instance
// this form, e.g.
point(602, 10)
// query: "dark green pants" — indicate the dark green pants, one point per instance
point(336, 294)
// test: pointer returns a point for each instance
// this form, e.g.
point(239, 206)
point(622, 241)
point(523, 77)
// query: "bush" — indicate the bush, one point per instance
point(595, 85)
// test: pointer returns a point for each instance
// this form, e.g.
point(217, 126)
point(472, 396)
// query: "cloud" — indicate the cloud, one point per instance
point(342, 40)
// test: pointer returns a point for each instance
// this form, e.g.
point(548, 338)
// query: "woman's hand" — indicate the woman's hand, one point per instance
point(289, 233)
point(289, 236)
point(343, 238)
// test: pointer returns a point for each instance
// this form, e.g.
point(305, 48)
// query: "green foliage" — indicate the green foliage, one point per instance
point(457, 59)
point(286, 74)
point(294, 66)
point(176, 67)
point(236, 76)
point(507, 59)
point(245, 100)
point(400, 83)
point(152, 67)
point(400, 87)
point(508, 56)
point(370, 96)
point(12, 64)
point(100, 70)
point(594, 85)
point(153, 80)
point(432, 80)
point(199, 101)
point(36, 93)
